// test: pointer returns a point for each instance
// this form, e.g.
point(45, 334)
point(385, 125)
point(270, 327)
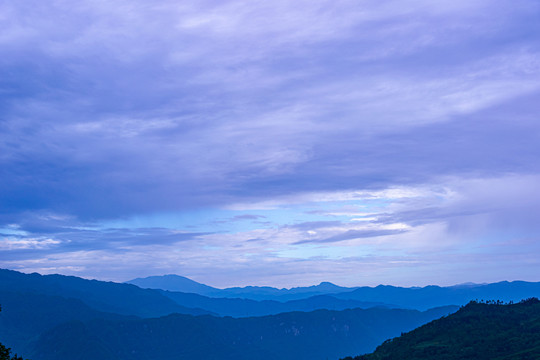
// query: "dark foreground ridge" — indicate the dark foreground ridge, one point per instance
point(477, 331)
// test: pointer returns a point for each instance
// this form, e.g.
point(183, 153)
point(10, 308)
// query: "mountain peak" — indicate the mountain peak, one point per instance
point(172, 282)
point(327, 285)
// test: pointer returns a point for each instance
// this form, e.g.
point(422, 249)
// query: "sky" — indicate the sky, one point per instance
point(279, 143)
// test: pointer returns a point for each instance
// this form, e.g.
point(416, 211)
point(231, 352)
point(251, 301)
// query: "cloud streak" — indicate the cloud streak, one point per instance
point(357, 234)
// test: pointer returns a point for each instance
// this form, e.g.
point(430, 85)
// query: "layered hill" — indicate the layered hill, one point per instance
point(295, 293)
point(104, 296)
point(477, 331)
point(320, 335)
point(237, 307)
point(127, 299)
point(177, 283)
point(59, 317)
point(174, 283)
point(420, 298)
point(25, 316)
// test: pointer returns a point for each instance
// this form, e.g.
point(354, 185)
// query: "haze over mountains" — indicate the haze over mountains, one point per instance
point(238, 307)
point(420, 298)
point(104, 296)
point(297, 335)
point(49, 317)
point(180, 283)
point(173, 282)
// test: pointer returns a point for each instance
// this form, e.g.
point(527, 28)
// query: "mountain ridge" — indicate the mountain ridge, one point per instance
point(420, 298)
point(58, 311)
point(172, 282)
point(431, 296)
point(106, 296)
point(238, 307)
point(178, 283)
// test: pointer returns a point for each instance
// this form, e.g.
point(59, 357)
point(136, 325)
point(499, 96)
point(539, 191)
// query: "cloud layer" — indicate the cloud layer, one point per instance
point(291, 138)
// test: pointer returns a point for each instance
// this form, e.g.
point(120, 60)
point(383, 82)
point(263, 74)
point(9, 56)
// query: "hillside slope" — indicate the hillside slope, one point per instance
point(477, 331)
point(25, 316)
point(320, 335)
point(124, 299)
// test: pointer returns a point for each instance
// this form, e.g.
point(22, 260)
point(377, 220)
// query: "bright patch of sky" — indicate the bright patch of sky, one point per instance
point(255, 216)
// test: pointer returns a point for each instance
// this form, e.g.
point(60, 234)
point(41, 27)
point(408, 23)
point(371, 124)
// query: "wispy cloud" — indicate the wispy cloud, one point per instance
point(357, 234)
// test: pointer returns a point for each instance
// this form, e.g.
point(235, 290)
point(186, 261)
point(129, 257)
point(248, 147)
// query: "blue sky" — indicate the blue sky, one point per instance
point(277, 143)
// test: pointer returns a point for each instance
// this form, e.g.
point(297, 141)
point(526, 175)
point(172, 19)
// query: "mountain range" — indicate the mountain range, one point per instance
point(48, 317)
point(237, 307)
point(420, 298)
point(176, 283)
point(295, 335)
point(124, 299)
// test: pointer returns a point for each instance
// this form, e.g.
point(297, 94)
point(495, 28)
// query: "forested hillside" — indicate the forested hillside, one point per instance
point(320, 335)
point(477, 331)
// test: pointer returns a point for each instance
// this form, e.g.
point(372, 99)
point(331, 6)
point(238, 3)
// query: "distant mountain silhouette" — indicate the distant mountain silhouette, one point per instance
point(64, 317)
point(104, 296)
point(177, 283)
point(422, 298)
point(173, 283)
point(319, 334)
point(245, 307)
point(270, 293)
point(477, 331)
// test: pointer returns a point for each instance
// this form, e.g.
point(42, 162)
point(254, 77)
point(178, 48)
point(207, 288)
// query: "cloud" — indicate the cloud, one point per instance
point(14, 243)
point(420, 113)
point(248, 217)
point(311, 225)
point(48, 239)
point(357, 234)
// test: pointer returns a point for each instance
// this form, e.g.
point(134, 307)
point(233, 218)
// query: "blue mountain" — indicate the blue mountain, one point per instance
point(422, 298)
point(124, 299)
point(177, 283)
point(320, 334)
point(173, 283)
point(237, 307)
